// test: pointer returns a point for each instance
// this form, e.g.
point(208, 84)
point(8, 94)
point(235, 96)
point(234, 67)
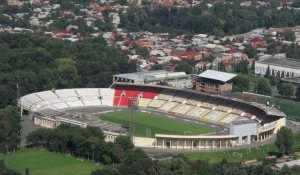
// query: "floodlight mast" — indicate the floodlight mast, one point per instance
point(18, 109)
point(133, 105)
point(168, 67)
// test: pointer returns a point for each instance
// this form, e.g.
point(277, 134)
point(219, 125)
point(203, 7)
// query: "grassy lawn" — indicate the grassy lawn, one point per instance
point(289, 107)
point(158, 125)
point(47, 163)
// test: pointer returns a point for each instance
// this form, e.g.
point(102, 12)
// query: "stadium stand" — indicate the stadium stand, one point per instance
point(258, 113)
point(182, 109)
point(143, 102)
point(210, 102)
point(150, 92)
point(61, 105)
point(226, 105)
point(182, 96)
point(198, 112)
point(156, 103)
point(214, 116)
point(107, 95)
point(62, 93)
point(47, 95)
point(229, 118)
point(196, 99)
point(240, 108)
point(168, 106)
point(32, 98)
point(166, 94)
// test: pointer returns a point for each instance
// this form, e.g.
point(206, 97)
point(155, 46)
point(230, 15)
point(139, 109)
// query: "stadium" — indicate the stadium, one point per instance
point(236, 121)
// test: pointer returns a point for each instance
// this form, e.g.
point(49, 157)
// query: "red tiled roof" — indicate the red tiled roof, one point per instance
point(256, 39)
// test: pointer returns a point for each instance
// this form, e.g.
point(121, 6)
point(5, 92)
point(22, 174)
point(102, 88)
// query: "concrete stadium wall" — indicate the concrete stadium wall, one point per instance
point(144, 142)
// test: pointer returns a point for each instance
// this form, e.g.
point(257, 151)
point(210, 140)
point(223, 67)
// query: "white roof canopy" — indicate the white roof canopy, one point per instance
point(217, 75)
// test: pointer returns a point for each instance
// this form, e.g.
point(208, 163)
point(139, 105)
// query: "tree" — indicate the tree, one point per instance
point(286, 89)
point(242, 67)
point(142, 51)
point(125, 142)
point(27, 171)
point(267, 74)
point(250, 51)
point(242, 82)
point(289, 35)
point(298, 93)
point(284, 140)
point(263, 86)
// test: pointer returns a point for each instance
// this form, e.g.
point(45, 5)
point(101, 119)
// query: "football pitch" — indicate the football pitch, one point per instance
point(147, 125)
point(47, 163)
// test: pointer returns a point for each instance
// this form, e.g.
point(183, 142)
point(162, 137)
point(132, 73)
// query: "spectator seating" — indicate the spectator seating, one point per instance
point(196, 99)
point(182, 108)
point(77, 103)
point(47, 95)
point(229, 118)
point(210, 102)
point(156, 103)
point(143, 102)
point(225, 105)
point(182, 96)
point(61, 105)
point(166, 94)
point(150, 92)
point(107, 95)
point(62, 93)
point(198, 112)
point(240, 108)
point(215, 116)
point(168, 106)
point(258, 113)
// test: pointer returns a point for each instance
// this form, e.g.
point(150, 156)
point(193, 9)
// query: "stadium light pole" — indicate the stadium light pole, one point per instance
point(133, 105)
point(168, 67)
point(18, 109)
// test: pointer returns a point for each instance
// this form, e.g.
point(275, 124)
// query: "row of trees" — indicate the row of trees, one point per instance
point(9, 130)
point(44, 64)
point(222, 18)
point(6, 171)
point(137, 163)
point(81, 142)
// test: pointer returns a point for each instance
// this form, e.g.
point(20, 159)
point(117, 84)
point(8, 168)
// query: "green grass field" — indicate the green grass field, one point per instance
point(47, 163)
point(158, 125)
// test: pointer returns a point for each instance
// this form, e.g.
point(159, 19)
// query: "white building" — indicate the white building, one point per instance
point(286, 67)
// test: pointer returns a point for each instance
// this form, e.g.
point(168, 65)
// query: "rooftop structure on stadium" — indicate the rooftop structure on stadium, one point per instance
point(175, 79)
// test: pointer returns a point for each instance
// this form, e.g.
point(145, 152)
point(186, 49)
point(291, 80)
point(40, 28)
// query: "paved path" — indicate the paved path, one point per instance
point(27, 127)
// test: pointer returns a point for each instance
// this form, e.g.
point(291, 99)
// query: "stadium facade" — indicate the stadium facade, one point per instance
point(68, 106)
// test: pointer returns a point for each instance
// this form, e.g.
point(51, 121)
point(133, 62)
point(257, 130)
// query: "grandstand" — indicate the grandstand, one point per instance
point(182, 109)
point(51, 108)
point(168, 106)
point(196, 99)
point(167, 94)
point(182, 96)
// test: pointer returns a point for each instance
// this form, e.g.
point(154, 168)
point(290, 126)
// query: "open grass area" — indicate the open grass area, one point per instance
point(47, 163)
point(157, 125)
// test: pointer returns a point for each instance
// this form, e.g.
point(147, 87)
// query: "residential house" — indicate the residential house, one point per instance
point(179, 53)
point(62, 33)
point(256, 41)
point(144, 43)
point(191, 54)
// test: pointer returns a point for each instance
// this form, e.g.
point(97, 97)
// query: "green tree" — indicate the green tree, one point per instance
point(242, 82)
point(284, 140)
point(289, 35)
point(267, 74)
point(250, 51)
point(125, 142)
point(142, 51)
point(263, 86)
point(298, 93)
point(286, 89)
point(27, 172)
